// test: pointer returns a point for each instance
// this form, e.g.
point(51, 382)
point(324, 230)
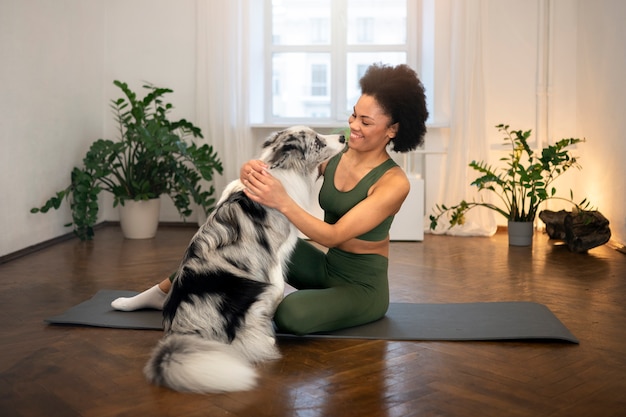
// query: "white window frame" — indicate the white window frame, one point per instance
point(261, 78)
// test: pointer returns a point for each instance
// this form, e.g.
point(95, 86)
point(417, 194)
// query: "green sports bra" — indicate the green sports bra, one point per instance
point(336, 203)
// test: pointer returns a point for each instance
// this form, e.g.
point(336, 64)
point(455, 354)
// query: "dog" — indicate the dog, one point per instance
point(218, 315)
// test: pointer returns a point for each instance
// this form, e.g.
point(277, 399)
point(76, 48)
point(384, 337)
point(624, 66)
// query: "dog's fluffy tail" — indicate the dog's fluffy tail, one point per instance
point(190, 363)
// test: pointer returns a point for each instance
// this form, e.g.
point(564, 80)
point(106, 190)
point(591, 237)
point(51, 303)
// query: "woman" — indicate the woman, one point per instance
point(363, 189)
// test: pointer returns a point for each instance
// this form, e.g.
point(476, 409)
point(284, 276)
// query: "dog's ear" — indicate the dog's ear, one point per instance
point(270, 139)
point(289, 149)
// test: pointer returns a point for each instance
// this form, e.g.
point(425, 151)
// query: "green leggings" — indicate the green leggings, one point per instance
point(335, 290)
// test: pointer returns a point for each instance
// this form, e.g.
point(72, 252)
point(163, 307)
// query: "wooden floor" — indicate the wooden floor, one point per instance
point(79, 371)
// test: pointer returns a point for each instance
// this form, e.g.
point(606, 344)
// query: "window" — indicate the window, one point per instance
point(315, 51)
point(365, 29)
point(318, 80)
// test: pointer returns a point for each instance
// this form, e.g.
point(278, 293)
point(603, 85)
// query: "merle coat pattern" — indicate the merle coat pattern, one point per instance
point(218, 314)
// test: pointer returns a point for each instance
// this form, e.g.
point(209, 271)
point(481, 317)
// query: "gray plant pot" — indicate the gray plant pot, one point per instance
point(521, 233)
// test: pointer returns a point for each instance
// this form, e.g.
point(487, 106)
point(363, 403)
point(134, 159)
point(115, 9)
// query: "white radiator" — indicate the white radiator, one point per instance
point(409, 222)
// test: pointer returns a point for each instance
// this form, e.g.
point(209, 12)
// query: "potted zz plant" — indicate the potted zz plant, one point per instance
point(521, 186)
point(152, 156)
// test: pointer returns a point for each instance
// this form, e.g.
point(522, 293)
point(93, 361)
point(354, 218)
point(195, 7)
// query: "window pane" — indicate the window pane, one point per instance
point(301, 84)
point(319, 80)
point(301, 22)
point(376, 22)
point(356, 66)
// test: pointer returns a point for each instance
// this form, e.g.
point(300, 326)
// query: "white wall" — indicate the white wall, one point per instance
point(518, 89)
point(151, 41)
point(50, 108)
point(530, 79)
point(584, 95)
point(510, 61)
point(601, 100)
point(60, 57)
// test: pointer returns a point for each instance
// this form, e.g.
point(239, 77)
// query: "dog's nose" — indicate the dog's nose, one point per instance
point(342, 139)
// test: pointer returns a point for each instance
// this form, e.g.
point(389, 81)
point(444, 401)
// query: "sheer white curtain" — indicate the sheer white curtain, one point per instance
point(222, 82)
point(467, 140)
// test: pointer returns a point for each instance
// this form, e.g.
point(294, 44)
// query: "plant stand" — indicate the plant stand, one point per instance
point(140, 219)
point(520, 233)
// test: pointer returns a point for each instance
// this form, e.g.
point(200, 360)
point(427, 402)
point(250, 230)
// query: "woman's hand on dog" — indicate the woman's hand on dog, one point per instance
point(262, 187)
point(248, 167)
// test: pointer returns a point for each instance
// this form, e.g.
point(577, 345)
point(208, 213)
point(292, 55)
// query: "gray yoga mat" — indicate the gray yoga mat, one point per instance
point(404, 321)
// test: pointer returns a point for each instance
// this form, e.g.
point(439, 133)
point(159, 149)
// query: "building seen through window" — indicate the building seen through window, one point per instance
point(319, 49)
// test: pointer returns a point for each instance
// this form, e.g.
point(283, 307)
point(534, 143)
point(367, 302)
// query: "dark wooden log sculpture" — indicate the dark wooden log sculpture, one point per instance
point(581, 231)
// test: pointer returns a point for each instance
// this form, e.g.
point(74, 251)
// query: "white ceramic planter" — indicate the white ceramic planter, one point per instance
point(520, 233)
point(140, 219)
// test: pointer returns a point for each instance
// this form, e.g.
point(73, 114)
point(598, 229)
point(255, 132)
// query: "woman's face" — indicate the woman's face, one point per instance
point(369, 125)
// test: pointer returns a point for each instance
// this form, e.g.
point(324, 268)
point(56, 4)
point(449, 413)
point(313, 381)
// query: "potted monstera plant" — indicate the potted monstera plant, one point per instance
point(520, 187)
point(152, 156)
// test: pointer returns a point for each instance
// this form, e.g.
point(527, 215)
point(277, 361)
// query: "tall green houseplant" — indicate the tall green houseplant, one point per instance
point(152, 156)
point(521, 185)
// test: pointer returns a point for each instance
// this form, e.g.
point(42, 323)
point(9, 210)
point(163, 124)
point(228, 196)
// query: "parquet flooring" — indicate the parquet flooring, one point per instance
point(80, 371)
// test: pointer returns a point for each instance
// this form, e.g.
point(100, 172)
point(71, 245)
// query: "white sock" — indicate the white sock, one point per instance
point(150, 298)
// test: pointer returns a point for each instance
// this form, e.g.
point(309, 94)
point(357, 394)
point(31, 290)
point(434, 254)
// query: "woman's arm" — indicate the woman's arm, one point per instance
point(385, 199)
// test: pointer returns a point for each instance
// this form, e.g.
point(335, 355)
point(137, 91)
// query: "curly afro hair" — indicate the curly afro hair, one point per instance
point(401, 95)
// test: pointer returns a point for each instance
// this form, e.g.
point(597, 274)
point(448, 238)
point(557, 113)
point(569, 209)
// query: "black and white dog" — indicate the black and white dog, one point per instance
point(218, 315)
